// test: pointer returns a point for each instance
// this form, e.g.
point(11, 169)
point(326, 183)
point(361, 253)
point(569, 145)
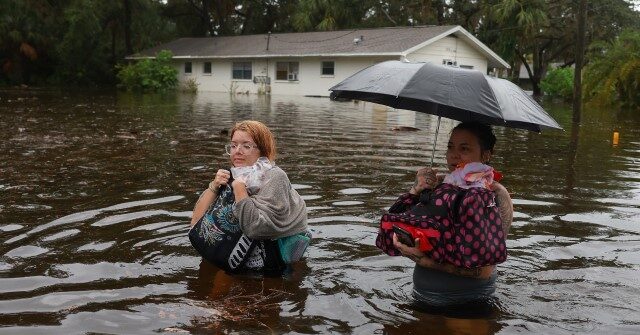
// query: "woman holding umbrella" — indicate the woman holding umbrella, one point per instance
point(442, 283)
point(451, 273)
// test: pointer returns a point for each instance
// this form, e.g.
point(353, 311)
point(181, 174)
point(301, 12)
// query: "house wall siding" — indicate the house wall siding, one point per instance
point(450, 48)
point(310, 80)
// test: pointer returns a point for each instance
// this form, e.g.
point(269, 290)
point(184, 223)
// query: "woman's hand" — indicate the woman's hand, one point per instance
point(221, 178)
point(426, 179)
point(207, 198)
point(412, 252)
point(420, 258)
point(238, 183)
point(239, 189)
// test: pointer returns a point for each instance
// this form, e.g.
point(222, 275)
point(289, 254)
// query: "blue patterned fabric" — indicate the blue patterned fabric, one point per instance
point(217, 235)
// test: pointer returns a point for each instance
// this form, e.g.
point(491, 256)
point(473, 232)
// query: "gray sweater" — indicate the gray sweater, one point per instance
point(275, 211)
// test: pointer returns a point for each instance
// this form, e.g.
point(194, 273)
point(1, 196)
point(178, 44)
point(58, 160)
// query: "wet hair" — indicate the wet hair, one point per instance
point(483, 132)
point(260, 134)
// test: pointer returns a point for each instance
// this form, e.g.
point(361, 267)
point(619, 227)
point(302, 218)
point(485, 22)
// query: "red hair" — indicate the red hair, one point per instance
point(260, 134)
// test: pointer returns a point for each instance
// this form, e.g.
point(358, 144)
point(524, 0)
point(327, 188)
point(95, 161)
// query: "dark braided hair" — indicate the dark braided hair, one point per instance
point(483, 132)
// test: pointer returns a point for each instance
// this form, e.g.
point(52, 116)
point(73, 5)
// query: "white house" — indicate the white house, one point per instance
point(310, 63)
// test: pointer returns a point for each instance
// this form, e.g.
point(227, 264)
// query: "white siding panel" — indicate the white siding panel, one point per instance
point(450, 48)
point(310, 81)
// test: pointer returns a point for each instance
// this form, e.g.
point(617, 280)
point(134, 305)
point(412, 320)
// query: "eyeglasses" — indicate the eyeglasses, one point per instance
point(244, 147)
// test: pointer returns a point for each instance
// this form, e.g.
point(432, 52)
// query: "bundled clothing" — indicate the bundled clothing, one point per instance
point(263, 232)
point(473, 174)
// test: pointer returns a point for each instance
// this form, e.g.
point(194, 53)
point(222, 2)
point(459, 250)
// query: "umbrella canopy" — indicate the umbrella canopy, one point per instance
point(451, 92)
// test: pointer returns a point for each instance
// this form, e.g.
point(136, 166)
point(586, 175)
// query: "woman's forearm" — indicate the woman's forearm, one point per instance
point(422, 260)
point(206, 199)
point(239, 191)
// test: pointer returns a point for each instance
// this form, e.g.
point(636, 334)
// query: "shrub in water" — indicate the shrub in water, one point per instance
point(558, 83)
point(149, 75)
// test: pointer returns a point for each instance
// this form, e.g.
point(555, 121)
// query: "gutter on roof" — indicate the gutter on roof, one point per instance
point(277, 56)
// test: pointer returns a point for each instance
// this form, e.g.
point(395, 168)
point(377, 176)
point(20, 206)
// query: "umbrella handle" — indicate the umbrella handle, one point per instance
point(435, 140)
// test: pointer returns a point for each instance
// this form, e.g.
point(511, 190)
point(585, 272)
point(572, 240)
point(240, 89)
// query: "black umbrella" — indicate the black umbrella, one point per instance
point(446, 91)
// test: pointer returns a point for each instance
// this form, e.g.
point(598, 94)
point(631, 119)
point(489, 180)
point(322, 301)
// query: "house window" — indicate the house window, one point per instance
point(287, 71)
point(470, 67)
point(328, 68)
point(207, 68)
point(241, 70)
point(187, 67)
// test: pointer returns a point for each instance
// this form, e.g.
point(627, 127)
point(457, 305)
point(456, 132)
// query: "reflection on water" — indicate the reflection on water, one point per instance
point(96, 191)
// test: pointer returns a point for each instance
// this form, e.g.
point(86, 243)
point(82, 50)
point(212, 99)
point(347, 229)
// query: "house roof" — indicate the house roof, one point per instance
point(392, 41)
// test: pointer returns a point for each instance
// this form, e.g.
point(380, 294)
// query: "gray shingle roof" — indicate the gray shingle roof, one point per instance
point(393, 40)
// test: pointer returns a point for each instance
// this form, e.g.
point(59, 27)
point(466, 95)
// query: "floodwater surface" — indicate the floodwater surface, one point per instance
point(97, 188)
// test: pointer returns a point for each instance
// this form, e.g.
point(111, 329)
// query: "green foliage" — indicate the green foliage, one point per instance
point(26, 29)
point(149, 75)
point(558, 83)
point(312, 15)
point(546, 30)
point(613, 75)
point(75, 42)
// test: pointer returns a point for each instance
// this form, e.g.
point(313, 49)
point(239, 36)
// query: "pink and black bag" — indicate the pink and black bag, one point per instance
point(455, 225)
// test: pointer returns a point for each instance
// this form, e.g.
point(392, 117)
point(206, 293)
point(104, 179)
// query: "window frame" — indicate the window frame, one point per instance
point(204, 69)
point(243, 70)
point(333, 69)
point(189, 66)
point(293, 71)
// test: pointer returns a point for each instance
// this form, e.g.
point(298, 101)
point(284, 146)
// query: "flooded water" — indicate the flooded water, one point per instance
point(96, 193)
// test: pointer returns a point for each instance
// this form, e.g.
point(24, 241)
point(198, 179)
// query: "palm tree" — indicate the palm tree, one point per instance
point(613, 74)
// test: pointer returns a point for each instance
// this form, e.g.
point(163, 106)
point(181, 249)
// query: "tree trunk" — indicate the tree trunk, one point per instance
point(537, 72)
point(577, 79)
point(114, 58)
point(127, 27)
point(440, 11)
point(208, 17)
point(523, 59)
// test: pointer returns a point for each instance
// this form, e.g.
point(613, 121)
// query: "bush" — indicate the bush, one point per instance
point(190, 86)
point(149, 75)
point(558, 83)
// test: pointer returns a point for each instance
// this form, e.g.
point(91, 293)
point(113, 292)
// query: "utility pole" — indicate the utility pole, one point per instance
point(577, 78)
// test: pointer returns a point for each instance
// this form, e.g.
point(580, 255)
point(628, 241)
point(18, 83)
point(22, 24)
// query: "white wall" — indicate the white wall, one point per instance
point(220, 78)
point(450, 48)
point(310, 81)
point(310, 78)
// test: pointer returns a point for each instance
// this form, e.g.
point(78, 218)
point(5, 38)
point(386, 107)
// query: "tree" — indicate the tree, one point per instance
point(74, 41)
point(579, 57)
point(613, 74)
point(531, 26)
point(27, 34)
point(313, 15)
point(545, 30)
